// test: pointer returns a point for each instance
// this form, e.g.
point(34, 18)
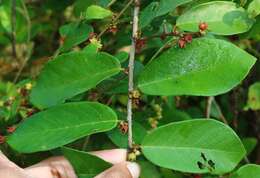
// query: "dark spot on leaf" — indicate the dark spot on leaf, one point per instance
point(203, 156)
point(211, 164)
point(200, 165)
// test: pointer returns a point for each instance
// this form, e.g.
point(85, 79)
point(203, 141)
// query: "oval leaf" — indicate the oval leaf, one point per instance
point(249, 170)
point(253, 101)
point(205, 67)
point(254, 8)
point(74, 34)
point(85, 165)
point(249, 144)
point(61, 125)
point(97, 12)
point(156, 9)
point(222, 17)
point(195, 146)
point(71, 74)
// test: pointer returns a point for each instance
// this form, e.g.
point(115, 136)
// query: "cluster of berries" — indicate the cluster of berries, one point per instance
point(187, 38)
point(134, 153)
point(154, 121)
point(135, 95)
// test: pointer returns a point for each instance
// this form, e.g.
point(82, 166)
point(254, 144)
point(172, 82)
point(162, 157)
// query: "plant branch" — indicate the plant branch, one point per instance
point(111, 3)
point(208, 106)
point(29, 48)
point(161, 49)
point(13, 26)
point(222, 117)
point(131, 71)
point(116, 18)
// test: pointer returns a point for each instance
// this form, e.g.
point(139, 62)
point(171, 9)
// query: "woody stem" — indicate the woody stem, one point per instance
point(131, 72)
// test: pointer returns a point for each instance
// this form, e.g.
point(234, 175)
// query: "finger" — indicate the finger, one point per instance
point(114, 156)
point(69, 169)
point(5, 162)
point(40, 172)
point(59, 171)
point(62, 161)
point(122, 170)
point(3, 158)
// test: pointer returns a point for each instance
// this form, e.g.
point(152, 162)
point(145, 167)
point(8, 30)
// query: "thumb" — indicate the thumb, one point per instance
point(122, 170)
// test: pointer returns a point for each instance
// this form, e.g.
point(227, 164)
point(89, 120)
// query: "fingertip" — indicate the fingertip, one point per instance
point(134, 169)
point(114, 156)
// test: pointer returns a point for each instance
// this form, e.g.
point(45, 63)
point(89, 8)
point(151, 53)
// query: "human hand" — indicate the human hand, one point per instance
point(59, 167)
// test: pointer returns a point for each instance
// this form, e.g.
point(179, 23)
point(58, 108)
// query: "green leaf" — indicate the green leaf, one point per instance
point(254, 8)
point(254, 32)
point(119, 83)
point(250, 144)
point(85, 165)
point(74, 34)
point(122, 56)
point(253, 101)
point(148, 170)
point(61, 125)
point(71, 74)
point(249, 170)
point(179, 146)
point(205, 67)
point(222, 17)
point(97, 12)
point(80, 6)
point(156, 9)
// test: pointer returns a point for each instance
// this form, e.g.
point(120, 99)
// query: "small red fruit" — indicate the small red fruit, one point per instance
point(140, 44)
point(11, 129)
point(2, 139)
point(197, 176)
point(62, 40)
point(113, 29)
point(123, 127)
point(92, 35)
point(23, 92)
point(30, 112)
point(182, 43)
point(188, 38)
point(203, 26)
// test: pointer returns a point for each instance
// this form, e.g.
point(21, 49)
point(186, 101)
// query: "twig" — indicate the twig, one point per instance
point(253, 51)
point(164, 35)
point(29, 49)
point(116, 18)
point(208, 106)
point(131, 71)
point(13, 26)
point(85, 143)
point(111, 3)
point(160, 50)
point(222, 117)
